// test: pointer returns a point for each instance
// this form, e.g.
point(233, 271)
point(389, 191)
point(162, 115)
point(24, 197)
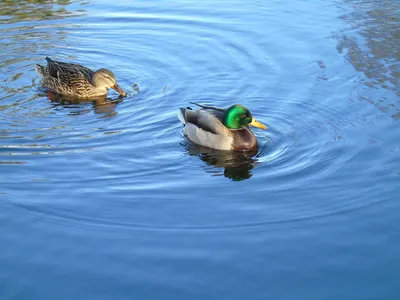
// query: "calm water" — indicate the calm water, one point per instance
point(107, 200)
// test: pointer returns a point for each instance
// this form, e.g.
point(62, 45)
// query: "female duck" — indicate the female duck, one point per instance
point(75, 80)
point(221, 129)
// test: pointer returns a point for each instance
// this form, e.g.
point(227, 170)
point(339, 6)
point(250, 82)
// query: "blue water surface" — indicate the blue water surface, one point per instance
point(108, 200)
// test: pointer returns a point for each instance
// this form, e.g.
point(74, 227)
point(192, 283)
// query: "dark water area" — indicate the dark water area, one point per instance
point(106, 199)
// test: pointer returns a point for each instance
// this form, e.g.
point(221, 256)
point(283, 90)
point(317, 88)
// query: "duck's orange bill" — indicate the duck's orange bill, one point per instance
point(119, 90)
point(257, 124)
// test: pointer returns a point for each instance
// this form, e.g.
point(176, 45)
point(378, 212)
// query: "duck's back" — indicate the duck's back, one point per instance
point(58, 68)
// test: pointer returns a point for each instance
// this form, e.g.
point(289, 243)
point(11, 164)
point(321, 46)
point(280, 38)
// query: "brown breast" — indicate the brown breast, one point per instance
point(244, 140)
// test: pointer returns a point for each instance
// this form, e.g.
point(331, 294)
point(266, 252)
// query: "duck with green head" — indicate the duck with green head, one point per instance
point(221, 129)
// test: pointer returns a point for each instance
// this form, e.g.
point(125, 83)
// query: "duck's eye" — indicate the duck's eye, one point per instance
point(242, 116)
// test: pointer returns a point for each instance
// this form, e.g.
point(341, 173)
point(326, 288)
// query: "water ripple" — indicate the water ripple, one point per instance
point(129, 157)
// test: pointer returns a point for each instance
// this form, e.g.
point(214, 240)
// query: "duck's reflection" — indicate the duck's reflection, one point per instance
point(237, 165)
point(100, 105)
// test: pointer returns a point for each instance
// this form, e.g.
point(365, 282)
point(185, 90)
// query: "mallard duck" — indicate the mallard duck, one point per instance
point(219, 128)
point(75, 80)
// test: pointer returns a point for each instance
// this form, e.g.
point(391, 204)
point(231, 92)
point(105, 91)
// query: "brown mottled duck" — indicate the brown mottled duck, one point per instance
point(76, 81)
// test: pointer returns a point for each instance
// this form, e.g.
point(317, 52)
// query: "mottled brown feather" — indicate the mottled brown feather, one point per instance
point(69, 79)
point(74, 70)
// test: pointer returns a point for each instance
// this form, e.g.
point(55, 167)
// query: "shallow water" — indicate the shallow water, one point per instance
point(107, 200)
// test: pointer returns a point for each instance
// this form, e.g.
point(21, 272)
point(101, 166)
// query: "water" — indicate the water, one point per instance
point(107, 200)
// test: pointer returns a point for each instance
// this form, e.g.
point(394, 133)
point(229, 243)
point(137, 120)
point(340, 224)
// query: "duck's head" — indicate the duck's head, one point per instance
point(104, 78)
point(237, 116)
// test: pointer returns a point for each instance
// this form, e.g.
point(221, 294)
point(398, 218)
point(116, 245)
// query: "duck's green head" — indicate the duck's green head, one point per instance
point(237, 116)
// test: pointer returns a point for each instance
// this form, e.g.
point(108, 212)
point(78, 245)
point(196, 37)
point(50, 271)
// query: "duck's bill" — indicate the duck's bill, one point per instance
point(119, 90)
point(257, 124)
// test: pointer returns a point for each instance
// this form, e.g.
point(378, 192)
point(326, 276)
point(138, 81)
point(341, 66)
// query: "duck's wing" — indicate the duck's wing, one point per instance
point(205, 119)
point(204, 127)
point(209, 118)
point(62, 70)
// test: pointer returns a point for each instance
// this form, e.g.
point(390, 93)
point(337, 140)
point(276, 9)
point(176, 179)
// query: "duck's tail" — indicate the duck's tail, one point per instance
point(181, 115)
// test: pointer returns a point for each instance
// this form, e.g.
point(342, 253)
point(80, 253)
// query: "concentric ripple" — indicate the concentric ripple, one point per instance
point(124, 162)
